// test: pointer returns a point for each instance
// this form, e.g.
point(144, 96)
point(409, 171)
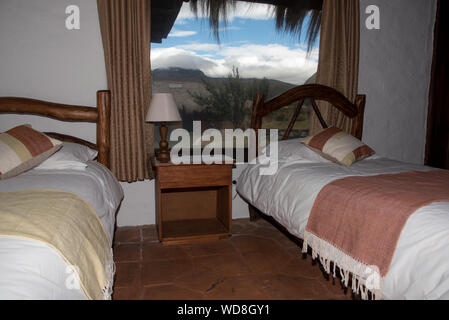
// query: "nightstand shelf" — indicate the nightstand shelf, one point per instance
point(194, 202)
point(194, 229)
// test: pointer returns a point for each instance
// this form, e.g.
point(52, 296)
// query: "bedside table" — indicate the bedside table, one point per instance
point(193, 202)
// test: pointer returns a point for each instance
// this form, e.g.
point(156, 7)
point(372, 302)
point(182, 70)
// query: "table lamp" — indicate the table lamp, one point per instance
point(163, 109)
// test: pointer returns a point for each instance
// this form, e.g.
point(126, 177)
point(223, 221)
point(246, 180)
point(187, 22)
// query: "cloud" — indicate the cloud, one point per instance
point(204, 47)
point(181, 58)
point(242, 10)
point(272, 61)
point(224, 29)
point(313, 54)
point(181, 33)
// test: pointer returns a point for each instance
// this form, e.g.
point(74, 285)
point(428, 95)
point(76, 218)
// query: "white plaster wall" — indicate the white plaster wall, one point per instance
point(395, 64)
point(395, 67)
point(139, 205)
point(39, 58)
point(239, 206)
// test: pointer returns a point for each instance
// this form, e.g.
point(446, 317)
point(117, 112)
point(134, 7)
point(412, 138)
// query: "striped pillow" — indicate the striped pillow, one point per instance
point(23, 148)
point(338, 146)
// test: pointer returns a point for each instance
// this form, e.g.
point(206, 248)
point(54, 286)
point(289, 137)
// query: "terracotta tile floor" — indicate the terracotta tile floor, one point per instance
point(257, 263)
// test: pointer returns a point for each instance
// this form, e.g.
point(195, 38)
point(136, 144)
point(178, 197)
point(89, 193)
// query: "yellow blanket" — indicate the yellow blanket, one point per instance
point(69, 225)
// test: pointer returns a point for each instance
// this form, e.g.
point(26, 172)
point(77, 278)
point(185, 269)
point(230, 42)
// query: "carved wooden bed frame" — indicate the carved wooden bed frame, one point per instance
point(299, 94)
point(99, 115)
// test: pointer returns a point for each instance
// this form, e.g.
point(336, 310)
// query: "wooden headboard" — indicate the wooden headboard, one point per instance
point(99, 115)
point(312, 92)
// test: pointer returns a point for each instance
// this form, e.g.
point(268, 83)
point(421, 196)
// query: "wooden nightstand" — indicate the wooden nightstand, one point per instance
point(193, 202)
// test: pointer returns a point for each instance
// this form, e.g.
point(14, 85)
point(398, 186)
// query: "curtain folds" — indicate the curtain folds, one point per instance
point(125, 29)
point(338, 64)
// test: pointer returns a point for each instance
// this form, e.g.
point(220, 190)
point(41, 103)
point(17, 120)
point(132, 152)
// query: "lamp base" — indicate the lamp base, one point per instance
point(164, 154)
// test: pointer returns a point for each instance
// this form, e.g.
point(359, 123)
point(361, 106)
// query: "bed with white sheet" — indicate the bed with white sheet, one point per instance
point(420, 265)
point(31, 269)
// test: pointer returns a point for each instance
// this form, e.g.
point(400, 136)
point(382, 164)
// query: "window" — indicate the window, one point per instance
point(214, 82)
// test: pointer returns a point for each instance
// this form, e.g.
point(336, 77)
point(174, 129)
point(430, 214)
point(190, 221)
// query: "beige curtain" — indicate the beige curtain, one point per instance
point(338, 64)
point(125, 29)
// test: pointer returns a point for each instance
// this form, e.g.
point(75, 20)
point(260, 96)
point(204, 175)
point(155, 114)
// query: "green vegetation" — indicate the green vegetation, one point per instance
point(230, 101)
point(228, 104)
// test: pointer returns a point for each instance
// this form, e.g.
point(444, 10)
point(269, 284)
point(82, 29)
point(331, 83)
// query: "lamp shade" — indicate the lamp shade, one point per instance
point(163, 109)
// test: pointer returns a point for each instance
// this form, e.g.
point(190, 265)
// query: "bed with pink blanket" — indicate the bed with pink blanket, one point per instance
point(418, 267)
point(380, 225)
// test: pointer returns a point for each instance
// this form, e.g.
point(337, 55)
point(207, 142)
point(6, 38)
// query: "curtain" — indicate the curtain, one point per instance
point(125, 30)
point(338, 64)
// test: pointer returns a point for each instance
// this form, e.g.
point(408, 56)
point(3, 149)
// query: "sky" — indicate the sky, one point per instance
point(248, 41)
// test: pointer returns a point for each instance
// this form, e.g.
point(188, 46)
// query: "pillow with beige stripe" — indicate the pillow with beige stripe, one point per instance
point(338, 146)
point(23, 148)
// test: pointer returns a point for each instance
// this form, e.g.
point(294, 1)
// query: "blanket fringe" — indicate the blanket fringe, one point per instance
point(361, 282)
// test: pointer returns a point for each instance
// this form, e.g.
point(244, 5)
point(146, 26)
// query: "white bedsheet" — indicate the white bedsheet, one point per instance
point(420, 266)
point(32, 270)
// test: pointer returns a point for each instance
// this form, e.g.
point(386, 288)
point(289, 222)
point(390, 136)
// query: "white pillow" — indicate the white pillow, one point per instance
point(70, 156)
point(79, 151)
point(294, 150)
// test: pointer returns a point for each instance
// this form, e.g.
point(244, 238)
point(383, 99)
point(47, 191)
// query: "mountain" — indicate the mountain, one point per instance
point(311, 80)
point(178, 74)
point(180, 81)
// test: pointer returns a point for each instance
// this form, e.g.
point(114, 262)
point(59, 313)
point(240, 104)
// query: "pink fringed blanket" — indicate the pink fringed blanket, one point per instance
point(356, 221)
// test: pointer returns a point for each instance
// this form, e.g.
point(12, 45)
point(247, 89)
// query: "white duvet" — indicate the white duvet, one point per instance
point(32, 270)
point(420, 266)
